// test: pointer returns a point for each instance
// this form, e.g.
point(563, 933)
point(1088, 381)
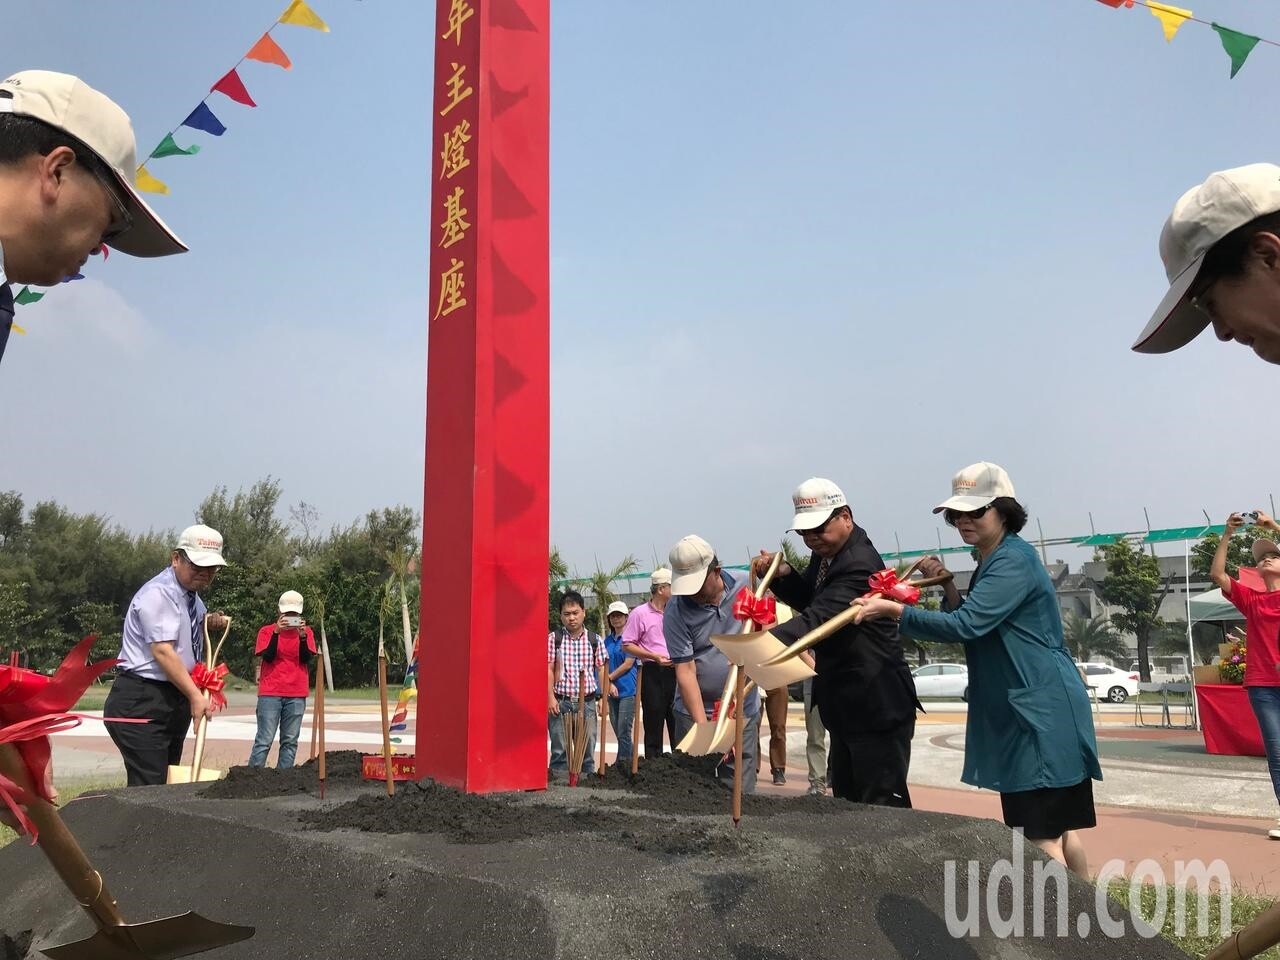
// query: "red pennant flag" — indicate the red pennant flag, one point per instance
point(232, 86)
point(267, 50)
point(1117, 3)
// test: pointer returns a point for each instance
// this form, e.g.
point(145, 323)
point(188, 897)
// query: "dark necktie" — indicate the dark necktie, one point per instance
point(823, 567)
point(196, 645)
point(6, 315)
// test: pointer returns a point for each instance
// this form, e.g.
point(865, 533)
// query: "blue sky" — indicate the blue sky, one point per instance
point(869, 241)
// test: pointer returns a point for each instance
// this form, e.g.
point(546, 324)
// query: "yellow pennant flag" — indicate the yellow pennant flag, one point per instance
point(1171, 18)
point(149, 184)
point(300, 15)
point(17, 329)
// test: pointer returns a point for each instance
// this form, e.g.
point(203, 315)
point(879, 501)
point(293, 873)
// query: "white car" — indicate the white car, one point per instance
point(942, 680)
point(1110, 683)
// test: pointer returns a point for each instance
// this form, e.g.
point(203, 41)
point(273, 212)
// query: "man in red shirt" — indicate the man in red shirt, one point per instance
point(1262, 636)
point(286, 648)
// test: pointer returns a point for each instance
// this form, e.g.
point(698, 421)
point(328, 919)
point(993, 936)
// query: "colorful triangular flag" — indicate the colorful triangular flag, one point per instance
point(202, 118)
point(74, 276)
point(17, 329)
point(300, 15)
point(232, 86)
point(169, 148)
point(149, 184)
point(1171, 18)
point(27, 295)
point(1238, 46)
point(1117, 3)
point(267, 50)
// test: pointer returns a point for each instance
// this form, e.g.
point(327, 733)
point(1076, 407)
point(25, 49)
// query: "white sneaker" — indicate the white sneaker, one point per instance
point(1274, 833)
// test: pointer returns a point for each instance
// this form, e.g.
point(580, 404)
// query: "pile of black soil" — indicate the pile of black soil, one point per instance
point(428, 807)
point(258, 783)
point(679, 783)
point(15, 948)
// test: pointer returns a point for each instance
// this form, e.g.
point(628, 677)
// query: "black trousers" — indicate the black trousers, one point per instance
point(871, 767)
point(148, 749)
point(657, 699)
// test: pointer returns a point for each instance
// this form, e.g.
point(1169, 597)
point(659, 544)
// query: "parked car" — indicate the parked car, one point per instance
point(942, 680)
point(1110, 683)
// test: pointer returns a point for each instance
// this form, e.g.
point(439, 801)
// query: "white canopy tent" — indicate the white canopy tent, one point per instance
point(1212, 606)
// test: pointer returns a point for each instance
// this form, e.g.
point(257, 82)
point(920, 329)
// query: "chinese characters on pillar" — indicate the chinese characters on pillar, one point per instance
point(456, 119)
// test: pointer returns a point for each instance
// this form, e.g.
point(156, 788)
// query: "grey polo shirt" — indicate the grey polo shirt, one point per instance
point(158, 614)
point(688, 628)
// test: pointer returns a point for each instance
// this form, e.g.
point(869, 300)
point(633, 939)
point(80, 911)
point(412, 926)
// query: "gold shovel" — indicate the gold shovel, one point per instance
point(166, 939)
point(788, 655)
point(179, 773)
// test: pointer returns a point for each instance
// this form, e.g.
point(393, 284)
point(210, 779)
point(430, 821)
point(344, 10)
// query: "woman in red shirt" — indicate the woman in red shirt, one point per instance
point(1262, 632)
point(284, 680)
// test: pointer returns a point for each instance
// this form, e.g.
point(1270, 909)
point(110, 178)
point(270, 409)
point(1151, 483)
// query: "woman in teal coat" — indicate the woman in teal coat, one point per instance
point(1030, 729)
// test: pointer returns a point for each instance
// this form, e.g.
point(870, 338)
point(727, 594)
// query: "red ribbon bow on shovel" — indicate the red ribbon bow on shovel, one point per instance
point(886, 584)
point(211, 682)
point(760, 610)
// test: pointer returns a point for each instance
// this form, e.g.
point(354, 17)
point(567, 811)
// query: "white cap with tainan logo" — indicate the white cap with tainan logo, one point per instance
point(814, 501)
point(202, 545)
point(976, 486)
point(69, 104)
point(690, 560)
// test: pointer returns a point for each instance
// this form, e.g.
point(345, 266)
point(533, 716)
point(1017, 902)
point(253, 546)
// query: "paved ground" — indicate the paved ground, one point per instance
point(1162, 798)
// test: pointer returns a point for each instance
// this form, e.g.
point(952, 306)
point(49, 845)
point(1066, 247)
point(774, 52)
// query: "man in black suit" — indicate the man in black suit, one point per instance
point(863, 688)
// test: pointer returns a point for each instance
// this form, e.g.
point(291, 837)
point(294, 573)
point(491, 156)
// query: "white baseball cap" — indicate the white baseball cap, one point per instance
point(814, 501)
point(1264, 548)
point(202, 545)
point(976, 486)
point(72, 106)
point(617, 607)
point(690, 560)
point(1204, 215)
point(659, 577)
point(290, 602)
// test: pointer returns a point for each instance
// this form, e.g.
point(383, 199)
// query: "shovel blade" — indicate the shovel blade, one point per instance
point(183, 774)
point(165, 939)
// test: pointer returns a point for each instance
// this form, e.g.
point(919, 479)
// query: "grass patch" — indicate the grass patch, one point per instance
point(69, 791)
point(1244, 908)
point(369, 694)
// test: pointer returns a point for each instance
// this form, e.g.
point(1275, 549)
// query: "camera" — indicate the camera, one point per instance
point(1249, 516)
point(291, 620)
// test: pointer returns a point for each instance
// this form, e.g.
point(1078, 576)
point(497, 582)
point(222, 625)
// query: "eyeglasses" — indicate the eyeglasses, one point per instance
point(819, 530)
point(951, 516)
point(123, 220)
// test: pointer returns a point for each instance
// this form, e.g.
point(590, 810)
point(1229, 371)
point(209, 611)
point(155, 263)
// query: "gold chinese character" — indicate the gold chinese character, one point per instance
point(459, 13)
point(452, 284)
point(456, 93)
point(455, 228)
point(453, 156)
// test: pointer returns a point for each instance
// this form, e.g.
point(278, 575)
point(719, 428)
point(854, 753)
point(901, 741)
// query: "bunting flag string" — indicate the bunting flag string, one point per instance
point(202, 118)
point(1237, 45)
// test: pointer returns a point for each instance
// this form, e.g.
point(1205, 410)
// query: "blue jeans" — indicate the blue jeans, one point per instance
point(622, 715)
point(284, 713)
point(555, 727)
point(1266, 707)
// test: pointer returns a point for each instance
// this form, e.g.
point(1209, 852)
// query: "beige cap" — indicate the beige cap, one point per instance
point(290, 602)
point(1264, 548)
point(814, 501)
point(690, 560)
point(72, 106)
point(1202, 216)
point(659, 577)
point(202, 545)
point(976, 486)
point(617, 607)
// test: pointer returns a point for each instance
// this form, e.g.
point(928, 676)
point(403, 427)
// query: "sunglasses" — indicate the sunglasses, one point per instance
point(819, 530)
point(123, 220)
point(952, 516)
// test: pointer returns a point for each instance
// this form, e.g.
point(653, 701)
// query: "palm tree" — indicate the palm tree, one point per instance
point(796, 560)
point(317, 605)
point(1092, 638)
point(401, 560)
point(557, 569)
point(600, 582)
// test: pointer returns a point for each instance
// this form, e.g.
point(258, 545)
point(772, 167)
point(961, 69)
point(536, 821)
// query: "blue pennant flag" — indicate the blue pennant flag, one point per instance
point(202, 118)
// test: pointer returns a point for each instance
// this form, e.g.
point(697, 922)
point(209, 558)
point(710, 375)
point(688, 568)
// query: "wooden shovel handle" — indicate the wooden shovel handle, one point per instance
point(60, 847)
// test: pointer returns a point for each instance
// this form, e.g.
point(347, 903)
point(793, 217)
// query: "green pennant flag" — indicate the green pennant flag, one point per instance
point(1238, 46)
point(168, 148)
point(27, 295)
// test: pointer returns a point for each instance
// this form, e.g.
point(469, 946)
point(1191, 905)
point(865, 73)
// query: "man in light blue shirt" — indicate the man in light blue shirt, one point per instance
point(162, 642)
point(702, 595)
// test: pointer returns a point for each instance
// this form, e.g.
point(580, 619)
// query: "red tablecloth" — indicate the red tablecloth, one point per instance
point(1227, 720)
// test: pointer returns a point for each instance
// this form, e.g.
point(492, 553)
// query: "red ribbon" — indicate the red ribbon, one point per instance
point(887, 584)
point(760, 610)
point(211, 682)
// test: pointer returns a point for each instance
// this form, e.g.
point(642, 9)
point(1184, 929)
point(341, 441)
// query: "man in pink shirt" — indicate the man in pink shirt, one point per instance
point(642, 638)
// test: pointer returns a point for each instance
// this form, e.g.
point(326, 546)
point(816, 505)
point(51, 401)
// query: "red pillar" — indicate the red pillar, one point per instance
point(482, 671)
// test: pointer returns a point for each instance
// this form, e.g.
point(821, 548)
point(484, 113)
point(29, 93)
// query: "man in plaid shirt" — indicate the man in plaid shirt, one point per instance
point(572, 652)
